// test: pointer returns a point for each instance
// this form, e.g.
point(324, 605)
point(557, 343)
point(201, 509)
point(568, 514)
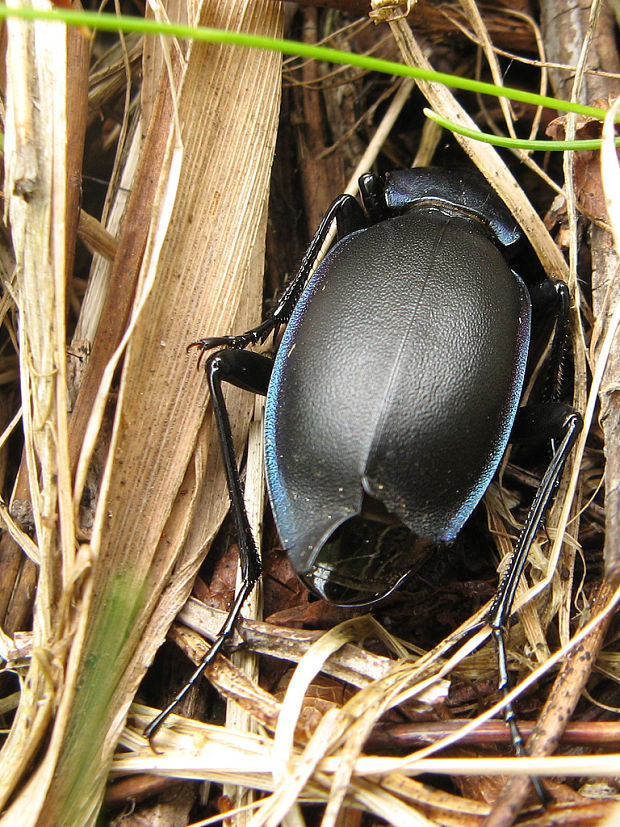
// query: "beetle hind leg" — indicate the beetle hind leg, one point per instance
point(551, 301)
point(249, 371)
point(561, 424)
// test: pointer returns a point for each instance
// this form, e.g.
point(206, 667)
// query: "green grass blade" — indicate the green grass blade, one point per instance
point(110, 22)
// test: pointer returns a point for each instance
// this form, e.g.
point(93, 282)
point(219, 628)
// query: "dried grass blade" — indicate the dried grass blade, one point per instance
point(35, 179)
point(144, 515)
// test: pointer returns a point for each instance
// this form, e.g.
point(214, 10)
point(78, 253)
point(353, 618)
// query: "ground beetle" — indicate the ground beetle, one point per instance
point(396, 387)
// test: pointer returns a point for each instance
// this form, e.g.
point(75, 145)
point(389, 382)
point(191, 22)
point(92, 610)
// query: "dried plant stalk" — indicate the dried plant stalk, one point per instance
point(35, 177)
point(102, 603)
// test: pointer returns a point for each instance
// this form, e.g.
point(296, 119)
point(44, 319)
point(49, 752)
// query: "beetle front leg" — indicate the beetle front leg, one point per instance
point(249, 371)
point(349, 217)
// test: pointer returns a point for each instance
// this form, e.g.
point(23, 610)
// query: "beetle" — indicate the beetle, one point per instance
point(395, 389)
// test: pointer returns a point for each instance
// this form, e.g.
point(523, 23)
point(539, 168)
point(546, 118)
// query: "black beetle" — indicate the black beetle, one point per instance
point(396, 387)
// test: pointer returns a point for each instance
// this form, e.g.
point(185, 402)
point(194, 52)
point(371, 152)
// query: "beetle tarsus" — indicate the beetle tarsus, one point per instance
point(220, 641)
point(510, 717)
point(257, 335)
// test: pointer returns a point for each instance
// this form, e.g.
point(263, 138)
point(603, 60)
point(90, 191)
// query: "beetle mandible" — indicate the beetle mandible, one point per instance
point(396, 387)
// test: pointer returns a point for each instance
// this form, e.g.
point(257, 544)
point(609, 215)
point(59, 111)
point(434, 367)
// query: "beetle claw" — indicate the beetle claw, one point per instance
point(235, 342)
point(204, 345)
point(209, 344)
point(250, 337)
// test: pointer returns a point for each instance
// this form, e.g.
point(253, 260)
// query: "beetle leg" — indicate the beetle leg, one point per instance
point(551, 300)
point(552, 421)
point(350, 217)
point(348, 214)
point(252, 372)
point(562, 424)
point(373, 196)
point(249, 371)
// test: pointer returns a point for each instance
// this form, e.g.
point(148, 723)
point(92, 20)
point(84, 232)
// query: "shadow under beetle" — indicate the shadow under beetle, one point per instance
point(396, 388)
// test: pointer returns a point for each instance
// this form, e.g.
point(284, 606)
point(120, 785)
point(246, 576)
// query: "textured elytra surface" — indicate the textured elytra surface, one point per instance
point(399, 375)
